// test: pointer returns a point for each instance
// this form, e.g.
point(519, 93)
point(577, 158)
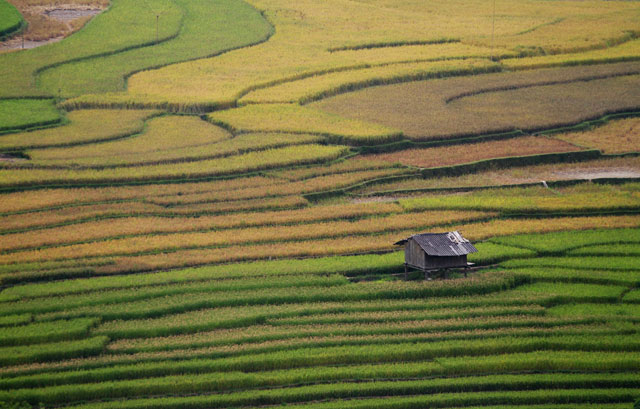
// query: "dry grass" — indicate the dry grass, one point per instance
point(84, 127)
point(465, 153)
point(321, 86)
point(144, 225)
point(301, 43)
point(72, 214)
point(232, 165)
point(316, 184)
point(172, 242)
point(603, 168)
point(42, 27)
point(355, 244)
point(352, 165)
point(55, 198)
point(619, 136)
point(164, 138)
point(297, 119)
point(484, 104)
point(586, 197)
point(629, 50)
point(268, 203)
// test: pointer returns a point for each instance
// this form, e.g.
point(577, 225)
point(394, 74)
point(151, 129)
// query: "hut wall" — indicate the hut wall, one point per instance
point(445, 262)
point(414, 255)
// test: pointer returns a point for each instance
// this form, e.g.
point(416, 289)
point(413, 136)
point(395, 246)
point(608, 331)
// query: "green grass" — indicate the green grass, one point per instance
point(567, 240)
point(596, 263)
point(193, 384)
point(15, 319)
point(10, 19)
point(586, 276)
point(490, 253)
point(610, 311)
point(632, 296)
point(17, 114)
point(52, 351)
point(208, 27)
point(102, 322)
point(348, 265)
point(105, 34)
point(573, 291)
point(45, 331)
point(607, 250)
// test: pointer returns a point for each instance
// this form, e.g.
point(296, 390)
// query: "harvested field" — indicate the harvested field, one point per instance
point(322, 86)
point(472, 152)
point(483, 104)
point(619, 136)
point(603, 168)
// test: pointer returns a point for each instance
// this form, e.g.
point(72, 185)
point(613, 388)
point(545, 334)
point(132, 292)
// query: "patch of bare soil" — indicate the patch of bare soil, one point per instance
point(71, 12)
point(49, 23)
point(14, 44)
point(599, 173)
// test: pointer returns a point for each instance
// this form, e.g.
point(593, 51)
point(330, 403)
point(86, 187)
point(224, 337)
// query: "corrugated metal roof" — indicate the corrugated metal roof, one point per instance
point(442, 244)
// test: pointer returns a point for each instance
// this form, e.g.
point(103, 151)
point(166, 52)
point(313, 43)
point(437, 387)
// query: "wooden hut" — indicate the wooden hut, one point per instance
point(436, 251)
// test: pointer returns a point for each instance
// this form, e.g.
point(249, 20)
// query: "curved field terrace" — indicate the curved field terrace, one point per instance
point(199, 201)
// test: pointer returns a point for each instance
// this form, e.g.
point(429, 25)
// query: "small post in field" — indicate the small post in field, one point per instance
point(493, 29)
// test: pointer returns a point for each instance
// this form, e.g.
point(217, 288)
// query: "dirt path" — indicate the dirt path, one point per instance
point(599, 173)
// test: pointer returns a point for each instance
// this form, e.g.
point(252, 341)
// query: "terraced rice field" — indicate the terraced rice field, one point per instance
point(449, 108)
point(199, 202)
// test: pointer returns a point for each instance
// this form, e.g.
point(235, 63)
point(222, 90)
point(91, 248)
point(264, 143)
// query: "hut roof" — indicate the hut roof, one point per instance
point(442, 244)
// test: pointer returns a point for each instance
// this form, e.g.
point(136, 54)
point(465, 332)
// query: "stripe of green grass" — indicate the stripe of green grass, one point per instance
point(18, 114)
point(585, 276)
point(10, 19)
point(568, 240)
point(332, 290)
point(409, 332)
point(97, 369)
point(52, 351)
point(126, 24)
point(234, 379)
point(459, 393)
point(46, 331)
point(613, 353)
point(348, 265)
point(209, 27)
point(597, 263)
point(631, 249)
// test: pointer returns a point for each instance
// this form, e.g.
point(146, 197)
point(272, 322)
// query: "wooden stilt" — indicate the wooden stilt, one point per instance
point(406, 276)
